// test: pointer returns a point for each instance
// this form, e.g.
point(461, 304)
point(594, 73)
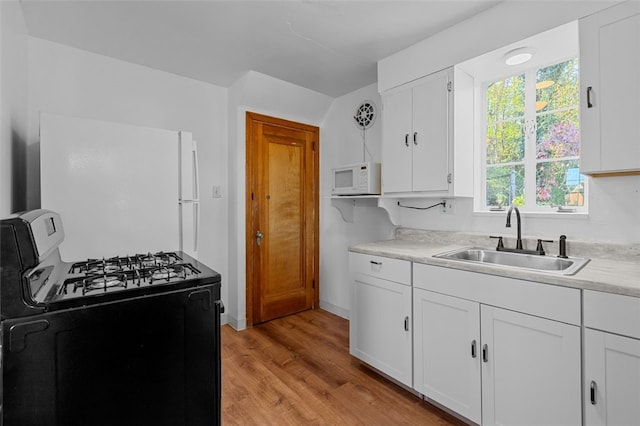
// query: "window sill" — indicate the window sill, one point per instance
point(541, 215)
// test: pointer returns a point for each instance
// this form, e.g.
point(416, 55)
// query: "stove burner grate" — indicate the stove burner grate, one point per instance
point(103, 283)
point(168, 272)
point(126, 272)
point(124, 264)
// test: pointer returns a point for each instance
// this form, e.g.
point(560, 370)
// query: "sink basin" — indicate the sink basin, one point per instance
point(568, 266)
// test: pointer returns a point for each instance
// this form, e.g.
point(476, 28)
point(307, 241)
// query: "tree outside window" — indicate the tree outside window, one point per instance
point(532, 132)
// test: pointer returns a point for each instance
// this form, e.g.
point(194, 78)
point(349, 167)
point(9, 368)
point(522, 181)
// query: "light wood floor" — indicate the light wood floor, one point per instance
point(297, 371)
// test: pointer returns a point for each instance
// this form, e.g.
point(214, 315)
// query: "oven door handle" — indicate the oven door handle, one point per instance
point(18, 333)
point(204, 296)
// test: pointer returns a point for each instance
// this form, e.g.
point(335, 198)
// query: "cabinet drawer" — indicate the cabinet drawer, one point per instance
point(381, 267)
point(543, 300)
point(614, 313)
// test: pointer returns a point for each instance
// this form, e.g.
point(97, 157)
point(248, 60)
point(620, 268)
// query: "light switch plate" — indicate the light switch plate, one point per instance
point(216, 192)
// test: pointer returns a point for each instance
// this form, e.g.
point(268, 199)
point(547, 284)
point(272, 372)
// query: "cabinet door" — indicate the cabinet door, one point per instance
point(610, 90)
point(531, 372)
point(612, 379)
point(380, 326)
point(396, 144)
point(446, 350)
point(430, 137)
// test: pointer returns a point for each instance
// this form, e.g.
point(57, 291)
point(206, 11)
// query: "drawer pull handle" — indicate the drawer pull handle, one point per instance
point(373, 262)
point(593, 392)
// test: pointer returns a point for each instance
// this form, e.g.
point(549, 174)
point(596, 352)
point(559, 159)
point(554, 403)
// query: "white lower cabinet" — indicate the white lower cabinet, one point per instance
point(380, 331)
point(612, 379)
point(493, 365)
point(495, 350)
point(611, 359)
point(531, 370)
point(446, 350)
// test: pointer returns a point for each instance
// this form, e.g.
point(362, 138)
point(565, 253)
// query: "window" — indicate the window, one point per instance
point(532, 140)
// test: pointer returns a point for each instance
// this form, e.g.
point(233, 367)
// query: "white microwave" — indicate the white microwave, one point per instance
point(356, 179)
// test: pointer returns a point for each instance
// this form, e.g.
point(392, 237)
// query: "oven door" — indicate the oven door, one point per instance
point(152, 360)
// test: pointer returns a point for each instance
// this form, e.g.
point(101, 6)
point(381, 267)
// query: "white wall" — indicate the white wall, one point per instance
point(505, 23)
point(13, 108)
point(262, 94)
point(342, 144)
point(73, 82)
point(613, 202)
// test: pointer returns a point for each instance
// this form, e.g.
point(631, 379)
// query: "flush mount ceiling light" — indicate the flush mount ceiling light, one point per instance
point(518, 56)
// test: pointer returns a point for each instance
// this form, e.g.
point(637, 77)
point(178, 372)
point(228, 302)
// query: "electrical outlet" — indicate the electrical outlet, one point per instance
point(449, 207)
point(216, 192)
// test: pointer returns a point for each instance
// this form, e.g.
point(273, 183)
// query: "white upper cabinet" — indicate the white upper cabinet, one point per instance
point(397, 150)
point(610, 90)
point(422, 147)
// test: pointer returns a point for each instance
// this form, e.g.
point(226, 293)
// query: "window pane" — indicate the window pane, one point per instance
point(505, 185)
point(558, 134)
point(505, 99)
point(557, 86)
point(505, 142)
point(559, 183)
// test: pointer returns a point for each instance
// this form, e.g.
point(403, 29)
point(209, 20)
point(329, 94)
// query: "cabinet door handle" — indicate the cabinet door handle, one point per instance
point(406, 139)
point(406, 323)
point(594, 388)
point(485, 353)
point(415, 138)
point(473, 349)
point(589, 103)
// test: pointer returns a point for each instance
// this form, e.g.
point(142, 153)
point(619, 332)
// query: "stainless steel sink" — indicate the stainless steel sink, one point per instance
point(568, 266)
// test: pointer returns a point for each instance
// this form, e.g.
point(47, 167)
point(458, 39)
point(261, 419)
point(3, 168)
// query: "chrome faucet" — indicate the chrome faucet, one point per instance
point(508, 225)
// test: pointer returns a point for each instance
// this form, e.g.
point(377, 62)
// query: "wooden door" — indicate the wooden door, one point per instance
point(282, 217)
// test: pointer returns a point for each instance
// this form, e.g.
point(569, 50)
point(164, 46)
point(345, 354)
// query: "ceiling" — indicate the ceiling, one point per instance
point(331, 47)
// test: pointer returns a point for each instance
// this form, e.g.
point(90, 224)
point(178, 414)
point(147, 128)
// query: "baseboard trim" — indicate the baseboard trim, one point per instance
point(336, 310)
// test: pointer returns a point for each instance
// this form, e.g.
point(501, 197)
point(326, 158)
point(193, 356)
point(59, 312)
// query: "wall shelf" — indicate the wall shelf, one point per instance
point(345, 205)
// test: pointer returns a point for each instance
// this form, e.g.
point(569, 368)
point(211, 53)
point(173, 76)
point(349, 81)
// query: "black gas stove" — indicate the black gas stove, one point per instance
point(132, 339)
point(99, 280)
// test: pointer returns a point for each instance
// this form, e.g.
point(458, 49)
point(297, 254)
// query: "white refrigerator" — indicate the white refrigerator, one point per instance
point(120, 189)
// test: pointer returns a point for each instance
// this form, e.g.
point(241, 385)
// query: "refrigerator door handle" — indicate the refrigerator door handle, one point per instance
point(196, 175)
point(189, 189)
point(196, 225)
point(196, 195)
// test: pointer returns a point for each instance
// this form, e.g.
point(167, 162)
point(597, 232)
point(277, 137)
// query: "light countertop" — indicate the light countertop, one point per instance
point(620, 274)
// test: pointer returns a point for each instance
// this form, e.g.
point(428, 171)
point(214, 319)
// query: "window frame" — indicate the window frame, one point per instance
point(530, 161)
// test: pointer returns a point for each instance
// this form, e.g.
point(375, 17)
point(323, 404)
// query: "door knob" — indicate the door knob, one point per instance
point(259, 236)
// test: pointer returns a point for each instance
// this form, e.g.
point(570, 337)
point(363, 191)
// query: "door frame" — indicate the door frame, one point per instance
point(251, 167)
